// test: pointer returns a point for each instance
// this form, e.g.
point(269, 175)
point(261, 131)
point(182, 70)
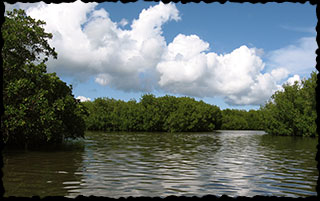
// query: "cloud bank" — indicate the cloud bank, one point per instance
point(90, 44)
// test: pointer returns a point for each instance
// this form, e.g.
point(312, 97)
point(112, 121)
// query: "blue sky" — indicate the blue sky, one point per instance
point(231, 55)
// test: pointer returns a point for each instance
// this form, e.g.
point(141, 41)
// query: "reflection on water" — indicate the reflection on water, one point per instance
point(236, 163)
point(28, 173)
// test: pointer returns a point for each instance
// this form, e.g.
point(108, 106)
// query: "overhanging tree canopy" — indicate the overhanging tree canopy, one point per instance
point(39, 107)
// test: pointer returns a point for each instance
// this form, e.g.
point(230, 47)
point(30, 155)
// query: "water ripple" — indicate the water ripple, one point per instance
point(236, 163)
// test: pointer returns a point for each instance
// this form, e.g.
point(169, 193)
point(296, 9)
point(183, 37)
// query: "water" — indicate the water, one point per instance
point(235, 163)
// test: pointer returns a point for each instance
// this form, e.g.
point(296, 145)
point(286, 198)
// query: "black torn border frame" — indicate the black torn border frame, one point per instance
point(176, 198)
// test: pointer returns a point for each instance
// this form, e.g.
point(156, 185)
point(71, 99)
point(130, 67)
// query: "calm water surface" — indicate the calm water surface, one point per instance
point(235, 163)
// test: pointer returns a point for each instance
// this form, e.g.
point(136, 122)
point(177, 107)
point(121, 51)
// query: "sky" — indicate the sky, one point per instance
point(231, 55)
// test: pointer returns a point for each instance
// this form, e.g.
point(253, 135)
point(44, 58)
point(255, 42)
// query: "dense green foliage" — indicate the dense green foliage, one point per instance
point(233, 119)
point(167, 113)
point(39, 108)
point(293, 110)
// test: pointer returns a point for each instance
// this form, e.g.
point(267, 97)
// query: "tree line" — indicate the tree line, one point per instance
point(233, 119)
point(163, 114)
point(39, 108)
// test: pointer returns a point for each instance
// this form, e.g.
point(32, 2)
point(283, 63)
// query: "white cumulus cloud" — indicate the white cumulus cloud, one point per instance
point(83, 99)
point(279, 73)
point(183, 61)
point(89, 43)
point(188, 69)
point(293, 79)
